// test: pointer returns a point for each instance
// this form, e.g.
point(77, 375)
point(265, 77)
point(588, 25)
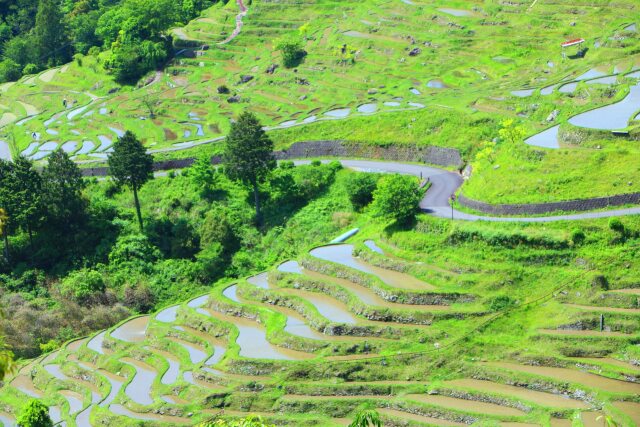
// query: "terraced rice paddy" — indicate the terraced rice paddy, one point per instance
point(159, 368)
point(240, 39)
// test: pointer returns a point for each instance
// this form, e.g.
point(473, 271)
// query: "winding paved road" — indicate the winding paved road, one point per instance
point(444, 184)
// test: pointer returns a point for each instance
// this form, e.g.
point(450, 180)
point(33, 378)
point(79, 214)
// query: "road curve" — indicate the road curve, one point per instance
point(444, 184)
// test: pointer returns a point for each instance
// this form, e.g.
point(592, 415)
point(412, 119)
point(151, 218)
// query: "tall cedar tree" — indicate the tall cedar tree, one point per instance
point(130, 165)
point(29, 213)
point(6, 202)
point(20, 197)
point(248, 155)
point(62, 193)
point(50, 36)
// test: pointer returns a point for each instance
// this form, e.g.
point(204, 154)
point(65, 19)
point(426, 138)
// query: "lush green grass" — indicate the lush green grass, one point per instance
point(521, 275)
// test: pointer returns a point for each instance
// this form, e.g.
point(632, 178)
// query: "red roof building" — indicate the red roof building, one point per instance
point(572, 42)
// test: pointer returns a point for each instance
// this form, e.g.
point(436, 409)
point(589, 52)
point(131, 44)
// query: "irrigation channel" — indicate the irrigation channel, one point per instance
point(156, 367)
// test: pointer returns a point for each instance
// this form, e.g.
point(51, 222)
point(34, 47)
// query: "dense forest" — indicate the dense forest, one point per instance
point(38, 34)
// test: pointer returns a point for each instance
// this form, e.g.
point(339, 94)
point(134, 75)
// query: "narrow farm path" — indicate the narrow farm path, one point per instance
point(239, 23)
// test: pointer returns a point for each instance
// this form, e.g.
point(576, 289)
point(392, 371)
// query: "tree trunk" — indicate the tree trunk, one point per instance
point(6, 245)
point(137, 202)
point(256, 199)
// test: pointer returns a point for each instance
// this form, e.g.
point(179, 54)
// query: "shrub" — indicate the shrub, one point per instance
point(360, 188)
point(212, 261)
point(9, 71)
point(291, 50)
point(133, 250)
point(217, 228)
point(577, 236)
point(139, 297)
point(30, 69)
point(397, 198)
point(501, 302)
point(616, 225)
point(82, 285)
point(35, 414)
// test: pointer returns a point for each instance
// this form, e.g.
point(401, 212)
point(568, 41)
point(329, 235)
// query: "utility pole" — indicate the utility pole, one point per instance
point(451, 200)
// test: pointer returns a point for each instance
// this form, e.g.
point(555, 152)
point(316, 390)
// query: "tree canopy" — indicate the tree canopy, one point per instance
point(35, 414)
point(130, 165)
point(397, 198)
point(248, 154)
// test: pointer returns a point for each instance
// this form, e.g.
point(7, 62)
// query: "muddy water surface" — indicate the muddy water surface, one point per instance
point(465, 405)
point(132, 331)
point(169, 420)
point(96, 343)
point(25, 385)
point(343, 254)
point(196, 353)
point(74, 399)
point(630, 409)
point(252, 339)
point(419, 418)
point(171, 374)
point(369, 297)
point(7, 420)
point(571, 375)
point(327, 306)
point(139, 389)
point(116, 384)
point(168, 315)
point(537, 397)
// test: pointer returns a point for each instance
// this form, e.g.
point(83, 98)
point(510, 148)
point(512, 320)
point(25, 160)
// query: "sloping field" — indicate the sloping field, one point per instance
point(345, 325)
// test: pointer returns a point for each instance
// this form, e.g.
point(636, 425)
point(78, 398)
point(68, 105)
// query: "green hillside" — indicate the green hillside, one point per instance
point(454, 92)
point(327, 302)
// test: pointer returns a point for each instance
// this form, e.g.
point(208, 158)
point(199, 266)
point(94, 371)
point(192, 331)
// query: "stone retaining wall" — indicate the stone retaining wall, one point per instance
point(543, 208)
point(404, 153)
point(434, 155)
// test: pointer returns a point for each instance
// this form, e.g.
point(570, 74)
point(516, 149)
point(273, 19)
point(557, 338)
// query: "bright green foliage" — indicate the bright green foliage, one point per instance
point(367, 418)
point(500, 303)
point(248, 154)
point(81, 285)
point(9, 70)
point(203, 175)
point(397, 198)
point(512, 135)
point(291, 50)
point(129, 61)
point(63, 200)
point(134, 251)
point(217, 228)
point(6, 360)
point(251, 421)
point(50, 35)
point(130, 165)
point(21, 194)
point(360, 188)
point(35, 414)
